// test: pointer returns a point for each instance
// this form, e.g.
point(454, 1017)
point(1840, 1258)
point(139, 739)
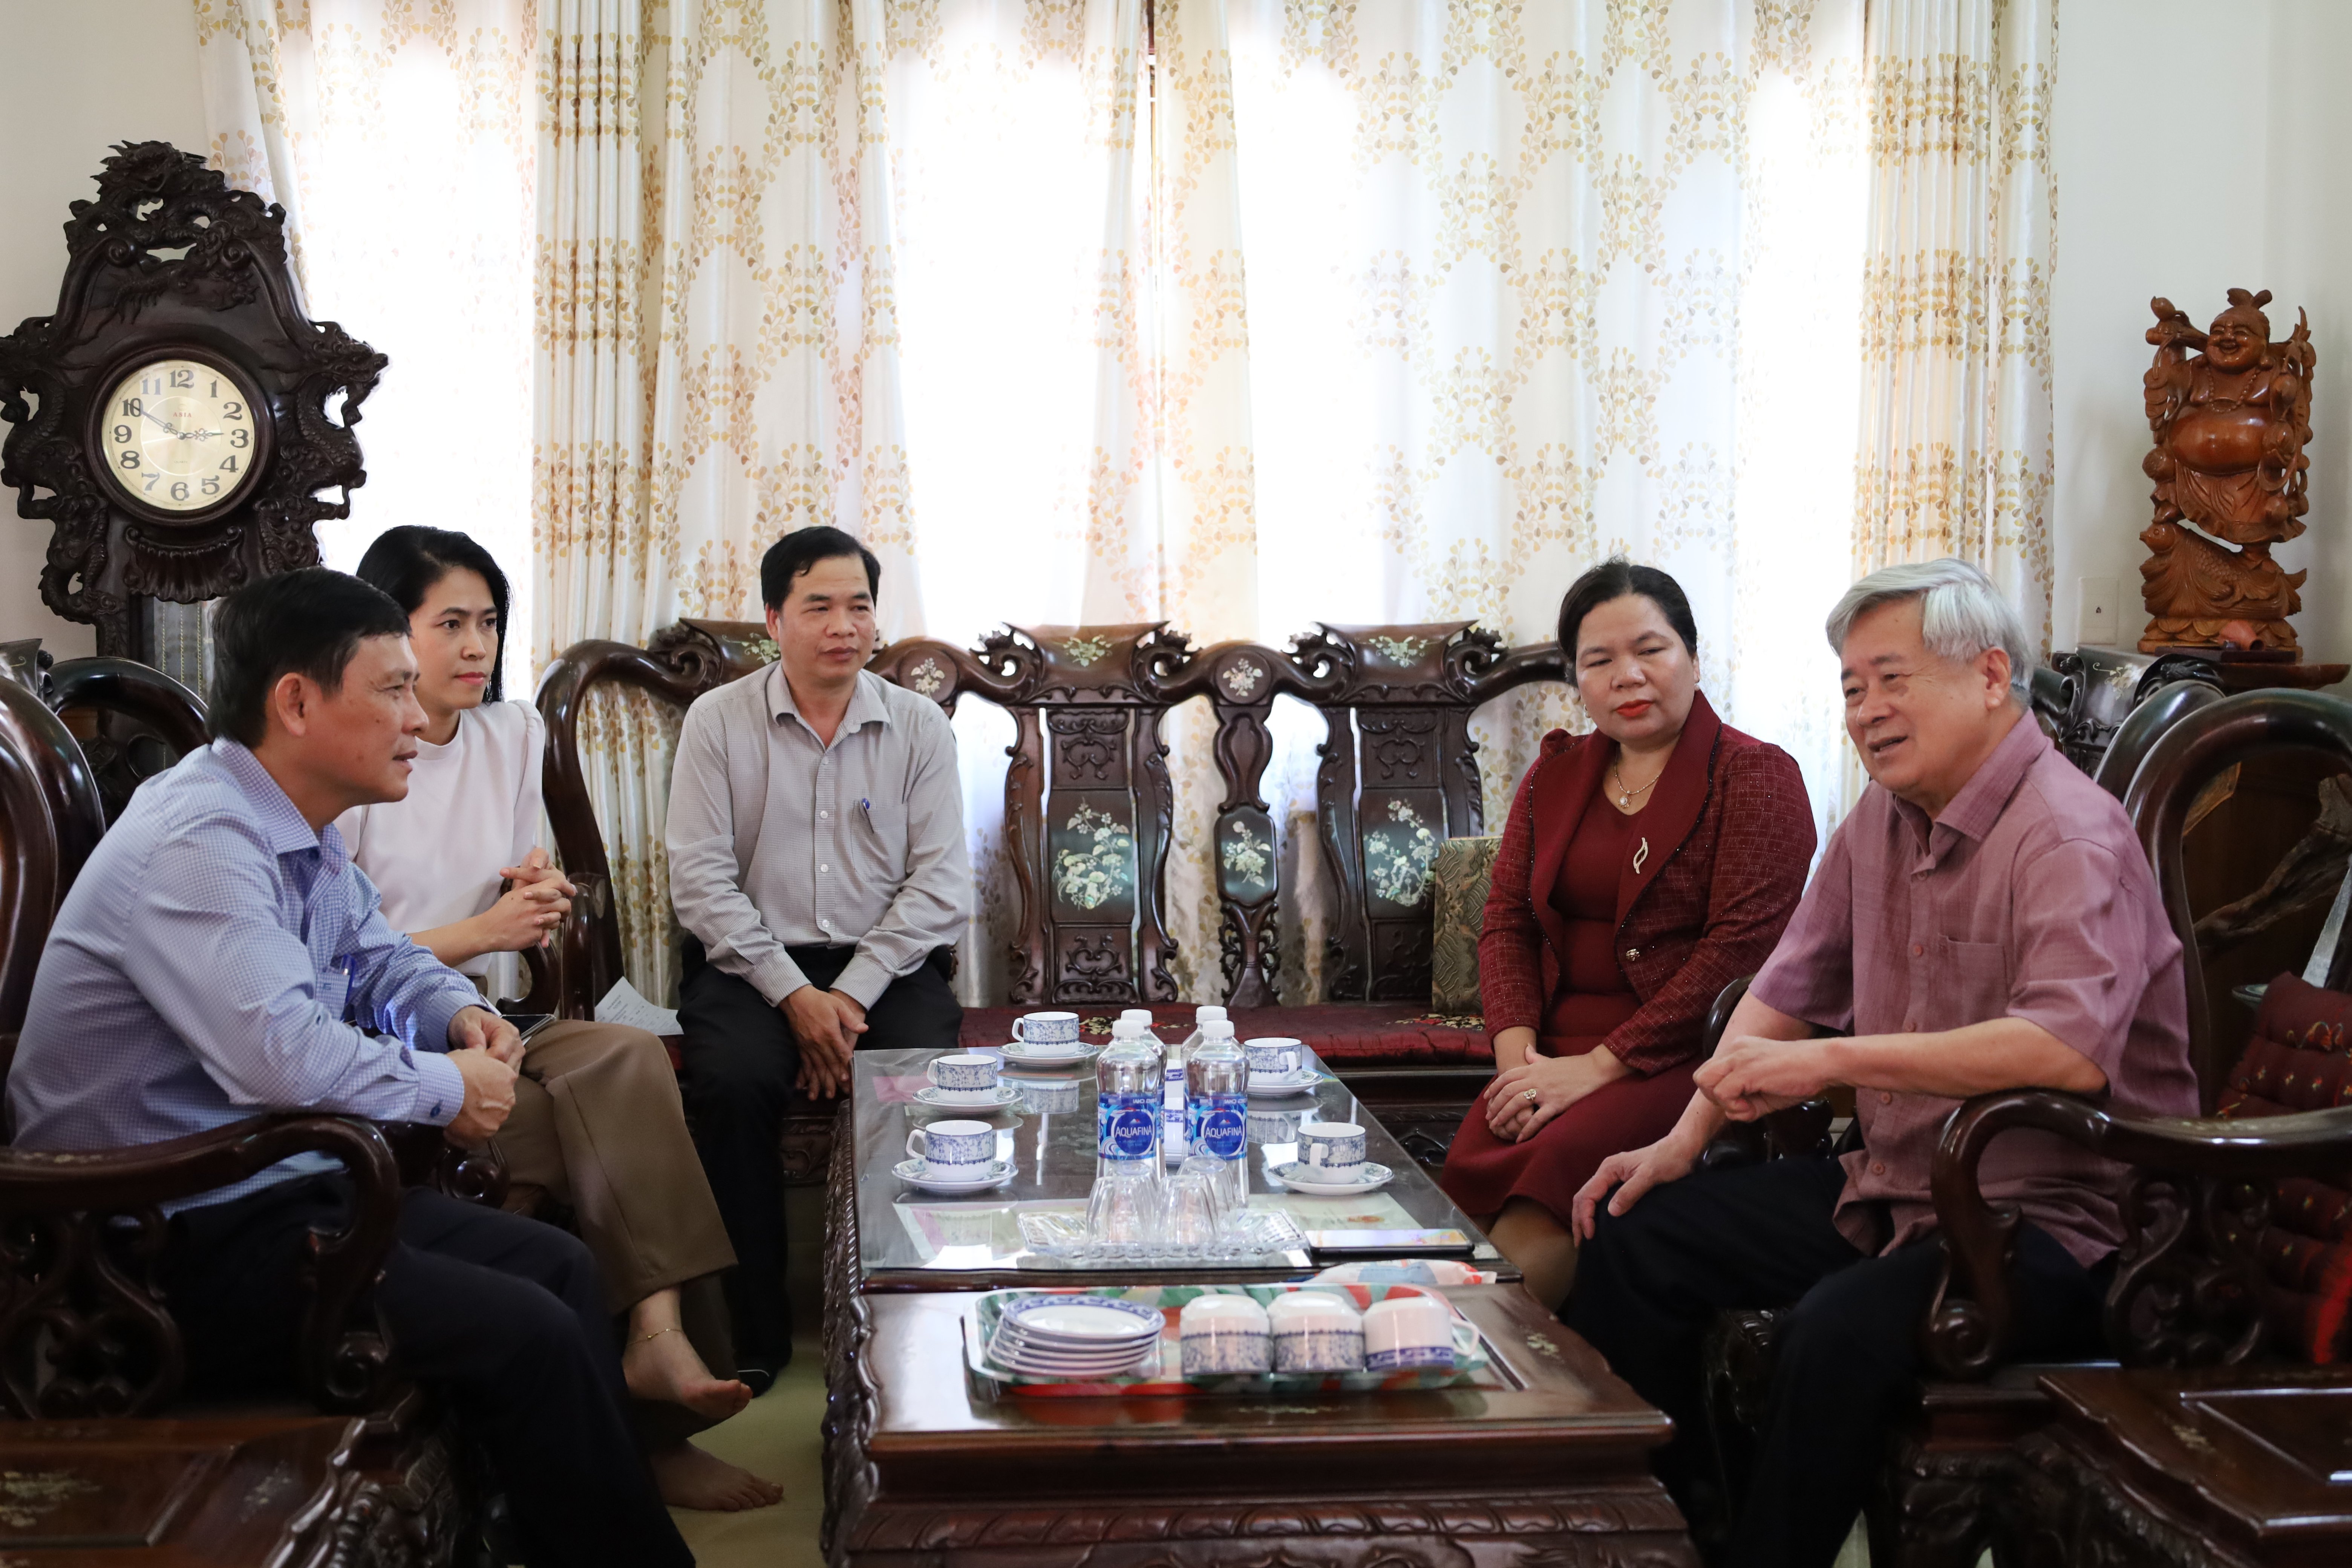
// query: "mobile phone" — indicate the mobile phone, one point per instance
point(1391, 1243)
point(529, 1024)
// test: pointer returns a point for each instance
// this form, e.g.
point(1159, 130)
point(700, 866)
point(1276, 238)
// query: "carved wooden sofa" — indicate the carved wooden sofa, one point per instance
point(1089, 816)
point(2200, 1263)
point(98, 1449)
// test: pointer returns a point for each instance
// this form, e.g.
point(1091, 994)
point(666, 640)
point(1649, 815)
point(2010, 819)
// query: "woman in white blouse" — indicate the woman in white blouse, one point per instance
point(597, 1122)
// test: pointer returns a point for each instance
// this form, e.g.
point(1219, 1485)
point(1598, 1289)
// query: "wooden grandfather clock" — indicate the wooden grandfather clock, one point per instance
point(177, 419)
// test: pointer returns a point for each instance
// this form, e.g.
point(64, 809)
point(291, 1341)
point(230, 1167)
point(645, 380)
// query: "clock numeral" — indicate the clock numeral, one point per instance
point(153, 386)
point(186, 378)
point(210, 485)
point(153, 476)
point(232, 410)
point(129, 459)
point(179, 490)
point(215, 390)
point(228, 464)
point(132, 408)
point(240, 438)
point(122, 434)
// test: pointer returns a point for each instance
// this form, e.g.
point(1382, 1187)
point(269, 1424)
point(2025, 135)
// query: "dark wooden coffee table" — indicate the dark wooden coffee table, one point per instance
point(1550, 1465)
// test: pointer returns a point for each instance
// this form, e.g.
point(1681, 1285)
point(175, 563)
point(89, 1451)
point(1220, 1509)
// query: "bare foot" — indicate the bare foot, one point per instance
point(687, 1478)
point(665, 1368)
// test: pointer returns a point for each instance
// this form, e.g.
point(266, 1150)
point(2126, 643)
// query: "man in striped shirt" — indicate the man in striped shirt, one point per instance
point(220, 957)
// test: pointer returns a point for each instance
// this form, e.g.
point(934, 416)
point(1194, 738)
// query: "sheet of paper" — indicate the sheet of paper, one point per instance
point(623, 1005)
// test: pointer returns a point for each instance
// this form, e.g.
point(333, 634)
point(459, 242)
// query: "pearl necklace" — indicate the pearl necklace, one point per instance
point(1627, 797)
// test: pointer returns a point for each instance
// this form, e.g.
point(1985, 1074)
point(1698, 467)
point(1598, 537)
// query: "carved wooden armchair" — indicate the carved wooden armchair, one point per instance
point(91, 1364)
point(2188, 1286)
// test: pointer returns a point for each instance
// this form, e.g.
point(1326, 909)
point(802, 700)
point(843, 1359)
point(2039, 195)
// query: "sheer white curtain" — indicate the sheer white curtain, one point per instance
point(1525, 286)
point(398, 138)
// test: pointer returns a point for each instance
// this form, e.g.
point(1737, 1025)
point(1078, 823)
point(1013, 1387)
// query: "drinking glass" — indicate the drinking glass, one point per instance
point(1215, 1173)
point(1193, 1222)
point(1122, 1214)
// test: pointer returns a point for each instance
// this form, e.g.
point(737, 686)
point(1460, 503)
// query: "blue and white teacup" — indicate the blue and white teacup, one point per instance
point(966, 1075)
point(1334, 1150)
point(964, 1147)
point(1273, 1054)
point(1223, 1334)
point(1047, 1028)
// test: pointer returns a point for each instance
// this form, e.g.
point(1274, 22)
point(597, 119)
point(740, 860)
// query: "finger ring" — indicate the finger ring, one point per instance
point(1531, 1095)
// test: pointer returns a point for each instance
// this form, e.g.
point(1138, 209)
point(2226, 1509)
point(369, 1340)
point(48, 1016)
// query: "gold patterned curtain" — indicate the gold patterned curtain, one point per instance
point(1514, 287)
point(1956, 454)
point(398, 137)
point(1244, 314)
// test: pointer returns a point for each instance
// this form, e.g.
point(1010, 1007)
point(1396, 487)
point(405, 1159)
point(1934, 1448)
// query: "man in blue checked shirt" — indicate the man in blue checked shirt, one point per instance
point(219, 956)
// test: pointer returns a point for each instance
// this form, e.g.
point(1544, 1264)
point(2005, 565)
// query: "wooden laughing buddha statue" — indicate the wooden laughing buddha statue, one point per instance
point(2230, 422)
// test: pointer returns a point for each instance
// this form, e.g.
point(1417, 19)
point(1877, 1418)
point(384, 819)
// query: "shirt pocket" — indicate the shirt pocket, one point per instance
point(875, 847)
point(1971, 984)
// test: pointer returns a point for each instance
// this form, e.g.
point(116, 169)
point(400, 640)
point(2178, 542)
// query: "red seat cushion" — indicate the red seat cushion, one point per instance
point(1344, 1034)
point(2297, 1061)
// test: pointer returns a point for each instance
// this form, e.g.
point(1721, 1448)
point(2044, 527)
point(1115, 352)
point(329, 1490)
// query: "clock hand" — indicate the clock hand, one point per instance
point(167, 428)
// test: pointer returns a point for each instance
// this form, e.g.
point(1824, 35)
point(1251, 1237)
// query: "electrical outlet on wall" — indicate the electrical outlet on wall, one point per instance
point(2095, 616)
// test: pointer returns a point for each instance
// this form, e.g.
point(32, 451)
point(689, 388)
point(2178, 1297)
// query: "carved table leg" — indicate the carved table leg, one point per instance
point(1939, 1506)
point(850, 1389)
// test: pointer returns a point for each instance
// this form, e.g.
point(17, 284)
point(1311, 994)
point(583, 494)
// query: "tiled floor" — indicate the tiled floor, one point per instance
point(780, 1436)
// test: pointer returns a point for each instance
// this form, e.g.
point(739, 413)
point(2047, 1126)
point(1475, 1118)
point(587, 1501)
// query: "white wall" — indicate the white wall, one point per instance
point(82, 78)
point(2200, 145)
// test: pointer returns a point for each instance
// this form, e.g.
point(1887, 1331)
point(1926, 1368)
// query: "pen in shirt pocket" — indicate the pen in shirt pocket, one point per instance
point(865, 809)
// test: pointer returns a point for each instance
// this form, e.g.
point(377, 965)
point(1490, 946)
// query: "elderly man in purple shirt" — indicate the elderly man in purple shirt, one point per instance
point(1984, 920)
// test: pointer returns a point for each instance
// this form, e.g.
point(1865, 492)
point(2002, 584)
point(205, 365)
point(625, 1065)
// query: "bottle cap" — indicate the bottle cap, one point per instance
point(1217, 1029)
point(1209, 1012)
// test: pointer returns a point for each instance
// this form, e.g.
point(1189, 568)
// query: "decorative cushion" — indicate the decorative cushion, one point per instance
point(1344, 1034)
point(1459, 879)
point(2297, 1061)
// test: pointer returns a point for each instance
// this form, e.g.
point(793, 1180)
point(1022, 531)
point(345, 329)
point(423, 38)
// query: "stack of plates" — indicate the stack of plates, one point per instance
point(1078, 1338)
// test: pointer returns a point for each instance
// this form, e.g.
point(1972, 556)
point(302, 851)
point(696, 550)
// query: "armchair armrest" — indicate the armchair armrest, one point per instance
point(2187, 1287)
point(1802, 1129)
point(79, 1237)
point(562, 973)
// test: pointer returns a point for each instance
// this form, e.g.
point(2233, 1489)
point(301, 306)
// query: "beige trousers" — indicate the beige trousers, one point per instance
point(597, 1124)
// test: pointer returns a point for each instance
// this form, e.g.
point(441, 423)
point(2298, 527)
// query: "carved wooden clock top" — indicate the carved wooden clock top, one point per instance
point(170, 420)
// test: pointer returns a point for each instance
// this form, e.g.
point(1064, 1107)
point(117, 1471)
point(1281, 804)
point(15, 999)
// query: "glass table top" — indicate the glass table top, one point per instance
point(912, 1239)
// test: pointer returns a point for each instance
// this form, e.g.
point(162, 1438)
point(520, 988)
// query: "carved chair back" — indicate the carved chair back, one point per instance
point(1087, 807)
point(2200, 744)
point(1399, 777)
point(133, 721)
point(584, 960)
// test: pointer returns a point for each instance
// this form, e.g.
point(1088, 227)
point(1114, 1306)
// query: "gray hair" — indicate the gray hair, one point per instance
point(1962, 614)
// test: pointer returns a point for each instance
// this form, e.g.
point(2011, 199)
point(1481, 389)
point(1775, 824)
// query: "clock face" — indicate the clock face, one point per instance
point(181, 436)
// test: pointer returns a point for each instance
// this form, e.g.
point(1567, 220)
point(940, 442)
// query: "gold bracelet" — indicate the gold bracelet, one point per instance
point(657, 1334)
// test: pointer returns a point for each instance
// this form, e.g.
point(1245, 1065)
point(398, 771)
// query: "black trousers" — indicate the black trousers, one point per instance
point(1650, 1281)
point(504, 1314)
point(741, 1060)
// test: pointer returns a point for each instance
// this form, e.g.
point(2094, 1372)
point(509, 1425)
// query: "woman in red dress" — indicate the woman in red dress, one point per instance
point(1644, 866)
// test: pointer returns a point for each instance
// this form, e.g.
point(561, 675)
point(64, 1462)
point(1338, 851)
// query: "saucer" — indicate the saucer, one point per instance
point(1041, 1054)
point(916, 1174)
point(1272, 1084)
point(1296, 1177)
point(939, 1098)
